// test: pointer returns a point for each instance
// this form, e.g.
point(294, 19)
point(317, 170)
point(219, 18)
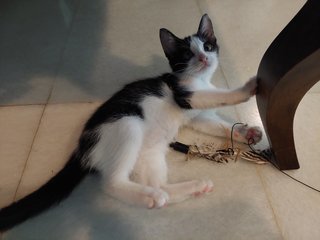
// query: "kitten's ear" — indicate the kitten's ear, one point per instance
point(205, 29)
point(168, 41)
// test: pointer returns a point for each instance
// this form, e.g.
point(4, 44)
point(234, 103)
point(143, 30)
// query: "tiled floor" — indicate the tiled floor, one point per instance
point(60, 59)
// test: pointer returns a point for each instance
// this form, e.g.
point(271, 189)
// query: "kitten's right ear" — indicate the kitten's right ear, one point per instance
point(168, 41)
point(205, 28)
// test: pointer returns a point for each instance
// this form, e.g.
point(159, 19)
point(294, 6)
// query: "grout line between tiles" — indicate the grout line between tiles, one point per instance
point(226, 80)
point(22, 105)
point(56, 68)
point(32, 143)
point(50, 104)
point(29, 153)
point(47, 100)
point(201, 6)
point(256, 168)
point(59, 64)
point(204, 5)
point(266, 191)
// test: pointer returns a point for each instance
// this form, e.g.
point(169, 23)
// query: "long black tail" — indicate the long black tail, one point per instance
point(55, 190)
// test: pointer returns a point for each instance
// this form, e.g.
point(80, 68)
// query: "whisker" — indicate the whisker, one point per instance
point(190, 70)
point(180, 64)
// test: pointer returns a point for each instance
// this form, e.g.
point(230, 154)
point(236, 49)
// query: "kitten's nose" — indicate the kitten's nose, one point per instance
point(203, 58)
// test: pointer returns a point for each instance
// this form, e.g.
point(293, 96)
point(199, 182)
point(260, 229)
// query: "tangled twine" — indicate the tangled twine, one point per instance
point(223, 154)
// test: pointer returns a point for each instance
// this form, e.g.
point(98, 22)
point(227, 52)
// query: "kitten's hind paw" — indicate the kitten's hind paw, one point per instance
point(202, 187)
point(246, 134)
point(158, 198)
point(254, 135)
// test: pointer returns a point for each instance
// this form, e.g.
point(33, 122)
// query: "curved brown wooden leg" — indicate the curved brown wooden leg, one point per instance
point(288, 69)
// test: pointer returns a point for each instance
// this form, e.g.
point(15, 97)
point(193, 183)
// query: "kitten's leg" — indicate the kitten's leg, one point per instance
point(206, 99)
point(115, 155)
point(210, 123)
point(181, 191)
point(151, 170)
point(138, 194)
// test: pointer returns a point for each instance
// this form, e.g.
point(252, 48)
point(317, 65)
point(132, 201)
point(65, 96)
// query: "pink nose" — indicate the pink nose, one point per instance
point(203, 58)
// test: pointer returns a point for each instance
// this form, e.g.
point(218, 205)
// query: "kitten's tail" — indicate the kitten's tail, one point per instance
point(55, 190)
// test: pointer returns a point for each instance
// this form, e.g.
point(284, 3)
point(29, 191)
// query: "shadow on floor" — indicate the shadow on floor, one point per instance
point(62, 46)
point(89, 215)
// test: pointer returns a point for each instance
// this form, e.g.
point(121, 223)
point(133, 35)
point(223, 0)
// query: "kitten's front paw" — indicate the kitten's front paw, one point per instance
point(250, 88)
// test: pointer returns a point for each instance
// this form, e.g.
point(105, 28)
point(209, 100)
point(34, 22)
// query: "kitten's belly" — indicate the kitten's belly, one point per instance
point(163, 130)
point(162, 121)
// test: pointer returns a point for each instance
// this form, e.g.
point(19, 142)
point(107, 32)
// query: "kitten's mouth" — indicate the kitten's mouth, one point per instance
point(204, 66)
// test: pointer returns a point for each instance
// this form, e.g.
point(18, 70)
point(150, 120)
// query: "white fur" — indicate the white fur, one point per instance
point(131, 151)
point(195, 76)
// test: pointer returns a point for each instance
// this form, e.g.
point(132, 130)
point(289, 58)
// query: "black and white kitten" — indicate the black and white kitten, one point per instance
point(130, 133)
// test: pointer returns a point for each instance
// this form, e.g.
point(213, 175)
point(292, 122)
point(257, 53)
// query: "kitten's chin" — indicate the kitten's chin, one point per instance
point(205, 68)
point(207, 71)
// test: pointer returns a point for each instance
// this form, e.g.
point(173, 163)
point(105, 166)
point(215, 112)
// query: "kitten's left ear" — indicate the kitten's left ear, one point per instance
point(205, 29)
point(168, 41)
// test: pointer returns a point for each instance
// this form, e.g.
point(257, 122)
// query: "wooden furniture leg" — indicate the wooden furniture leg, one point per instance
point(288, 69)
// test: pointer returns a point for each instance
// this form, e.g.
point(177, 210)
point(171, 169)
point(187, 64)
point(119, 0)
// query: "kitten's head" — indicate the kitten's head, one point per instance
point(193, 55)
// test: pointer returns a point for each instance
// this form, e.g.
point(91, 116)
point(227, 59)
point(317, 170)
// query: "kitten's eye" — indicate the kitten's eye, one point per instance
point(208, 47)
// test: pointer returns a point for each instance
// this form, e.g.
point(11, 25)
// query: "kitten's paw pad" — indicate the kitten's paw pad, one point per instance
point(158, 199)
point(203, 187)
point(247, 134)
point(254, 134)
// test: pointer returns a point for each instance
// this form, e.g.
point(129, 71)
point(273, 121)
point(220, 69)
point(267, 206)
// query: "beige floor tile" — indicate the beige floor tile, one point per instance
point(296, 207)
point(315, 88)
point(307, 139)
point(57, 136)
point(17, 127)
point(245, 29)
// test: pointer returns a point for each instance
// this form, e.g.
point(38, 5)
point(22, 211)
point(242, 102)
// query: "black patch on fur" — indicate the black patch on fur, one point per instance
point(126, 102)
point(182, 55)
point(180, 94)
point(176, 50)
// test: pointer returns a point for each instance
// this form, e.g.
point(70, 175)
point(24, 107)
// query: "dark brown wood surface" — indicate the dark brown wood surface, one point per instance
point(288, 69)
